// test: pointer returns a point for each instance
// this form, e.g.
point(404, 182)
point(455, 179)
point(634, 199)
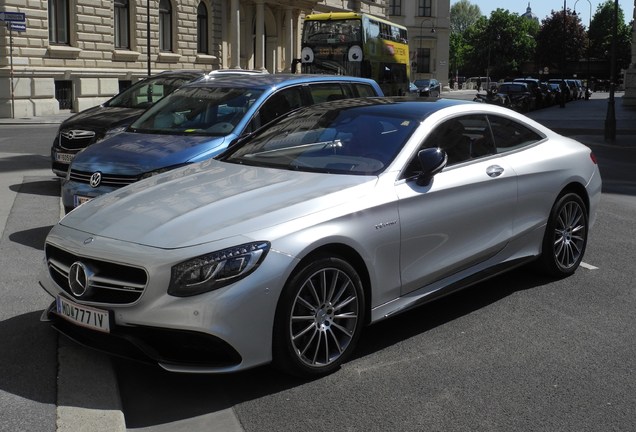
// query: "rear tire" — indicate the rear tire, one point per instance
point(319, 317)
point(565, 237)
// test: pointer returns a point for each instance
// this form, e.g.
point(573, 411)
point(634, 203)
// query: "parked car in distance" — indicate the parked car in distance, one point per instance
point(335, 216)
point(518, 96)
point(197, 122)
point(428, 87)
point(565, 89)
point(96, 123)
point(541, 97)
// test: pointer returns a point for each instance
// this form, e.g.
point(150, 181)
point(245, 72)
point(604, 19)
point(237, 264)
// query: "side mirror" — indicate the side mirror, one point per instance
point(432, 161)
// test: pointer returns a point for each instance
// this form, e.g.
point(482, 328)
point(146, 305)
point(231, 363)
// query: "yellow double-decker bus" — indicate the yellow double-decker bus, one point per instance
point(357, 44)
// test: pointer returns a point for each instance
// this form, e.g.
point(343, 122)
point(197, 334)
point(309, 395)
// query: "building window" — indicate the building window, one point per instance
point(423, 60)
point(165, 25)
point(202, 28)
point(122, 28)
point(58, 22)
point(395, 8)
point(424, 8)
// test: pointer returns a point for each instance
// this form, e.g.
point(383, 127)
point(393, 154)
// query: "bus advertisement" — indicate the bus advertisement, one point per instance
point(357, 44)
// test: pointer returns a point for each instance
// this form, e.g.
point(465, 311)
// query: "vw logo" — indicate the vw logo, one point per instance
point(79, 279)
point(96, 179)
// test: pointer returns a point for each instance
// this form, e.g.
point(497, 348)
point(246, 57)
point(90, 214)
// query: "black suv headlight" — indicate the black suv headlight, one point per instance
point(217, 269)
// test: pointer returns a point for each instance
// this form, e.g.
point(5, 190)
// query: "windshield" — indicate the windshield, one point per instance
point(211, 111)
point(147, 92)
point(342, 140)
point(332, 31)
point(422, 83)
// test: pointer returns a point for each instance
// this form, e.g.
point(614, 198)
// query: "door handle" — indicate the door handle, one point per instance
point(494, 171)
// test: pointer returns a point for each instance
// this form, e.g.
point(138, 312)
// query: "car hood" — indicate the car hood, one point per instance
point(213, 200)
point(130, 153)
point(101, 118)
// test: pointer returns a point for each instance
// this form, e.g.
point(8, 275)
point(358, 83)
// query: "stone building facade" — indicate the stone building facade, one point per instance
point(74, 54)
point(428, 24)
point(629, 99)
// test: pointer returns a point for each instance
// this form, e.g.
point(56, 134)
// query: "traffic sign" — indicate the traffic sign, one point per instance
point(16, 26)
point(13, 16)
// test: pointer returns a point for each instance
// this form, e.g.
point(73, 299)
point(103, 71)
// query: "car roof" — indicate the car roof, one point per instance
point(400, 106)
point(265, 81)
point(181, 73)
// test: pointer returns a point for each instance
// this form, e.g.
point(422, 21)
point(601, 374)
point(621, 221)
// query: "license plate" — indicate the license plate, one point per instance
point(64, 157)
point(78, 200)
point(84, 316)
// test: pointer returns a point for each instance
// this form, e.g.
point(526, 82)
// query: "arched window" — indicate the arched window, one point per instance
point(165, 25)
point(122, 27)
point(202, 28)
point(58, 22)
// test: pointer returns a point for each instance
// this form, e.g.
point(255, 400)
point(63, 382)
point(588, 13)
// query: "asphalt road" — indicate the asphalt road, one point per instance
point(518, 352)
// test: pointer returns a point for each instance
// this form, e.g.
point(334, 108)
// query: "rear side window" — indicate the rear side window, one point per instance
point(280, 103)
point(327, 92)
point(510, 135)
point(364, 90)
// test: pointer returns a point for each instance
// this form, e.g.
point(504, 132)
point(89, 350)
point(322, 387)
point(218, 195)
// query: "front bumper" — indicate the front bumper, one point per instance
point(74, 193)
point(225, 330)
point(167, 347)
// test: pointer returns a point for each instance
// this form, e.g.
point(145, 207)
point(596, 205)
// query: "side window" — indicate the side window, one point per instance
point(510, 135)
point(364, 90)
point(326, 92)
point(278, 104)
point(462, 138)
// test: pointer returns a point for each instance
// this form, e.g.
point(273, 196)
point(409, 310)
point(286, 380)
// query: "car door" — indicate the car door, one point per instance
point(464, 215)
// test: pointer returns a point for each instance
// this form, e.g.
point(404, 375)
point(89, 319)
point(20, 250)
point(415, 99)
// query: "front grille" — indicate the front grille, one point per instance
point(76, 139)
point(111, 180)
point(110, 283)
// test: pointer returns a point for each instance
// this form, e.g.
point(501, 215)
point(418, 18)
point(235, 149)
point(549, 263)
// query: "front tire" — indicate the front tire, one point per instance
point(565, 236)
point(319, 317)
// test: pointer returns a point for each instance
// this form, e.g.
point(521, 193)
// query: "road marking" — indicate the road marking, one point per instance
point(588, 266)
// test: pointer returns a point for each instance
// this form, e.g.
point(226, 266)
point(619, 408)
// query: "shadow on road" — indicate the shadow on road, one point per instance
point(40, 187)
point(29, 358)
point(24, 162)
point(157, 397)
point(33, 238)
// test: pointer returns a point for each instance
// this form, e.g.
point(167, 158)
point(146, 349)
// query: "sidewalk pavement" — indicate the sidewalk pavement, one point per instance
point(586, 118)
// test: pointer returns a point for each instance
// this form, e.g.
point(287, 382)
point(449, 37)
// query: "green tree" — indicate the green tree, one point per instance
point(497, 46)
point(463, 14)
point(562, 39)
point(600, 34)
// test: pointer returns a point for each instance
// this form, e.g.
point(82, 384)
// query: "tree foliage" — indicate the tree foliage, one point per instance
point(497, 46)
point(500, 44)
point(463, 14)
point(600, 34)
point(562, 39)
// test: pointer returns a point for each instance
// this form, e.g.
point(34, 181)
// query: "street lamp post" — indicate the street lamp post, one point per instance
point(419, 51)
point(148, 33)
point(588, 46)
point(610, 119)
point(565, 59)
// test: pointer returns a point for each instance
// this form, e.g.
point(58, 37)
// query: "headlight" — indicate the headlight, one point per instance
point(217, 269)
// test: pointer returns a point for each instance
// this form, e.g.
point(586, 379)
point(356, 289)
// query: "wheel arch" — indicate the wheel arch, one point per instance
point(350, 255)
point(578, 189)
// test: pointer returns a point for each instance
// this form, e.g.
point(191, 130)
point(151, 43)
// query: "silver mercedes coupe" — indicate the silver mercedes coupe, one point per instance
point(332, 218)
